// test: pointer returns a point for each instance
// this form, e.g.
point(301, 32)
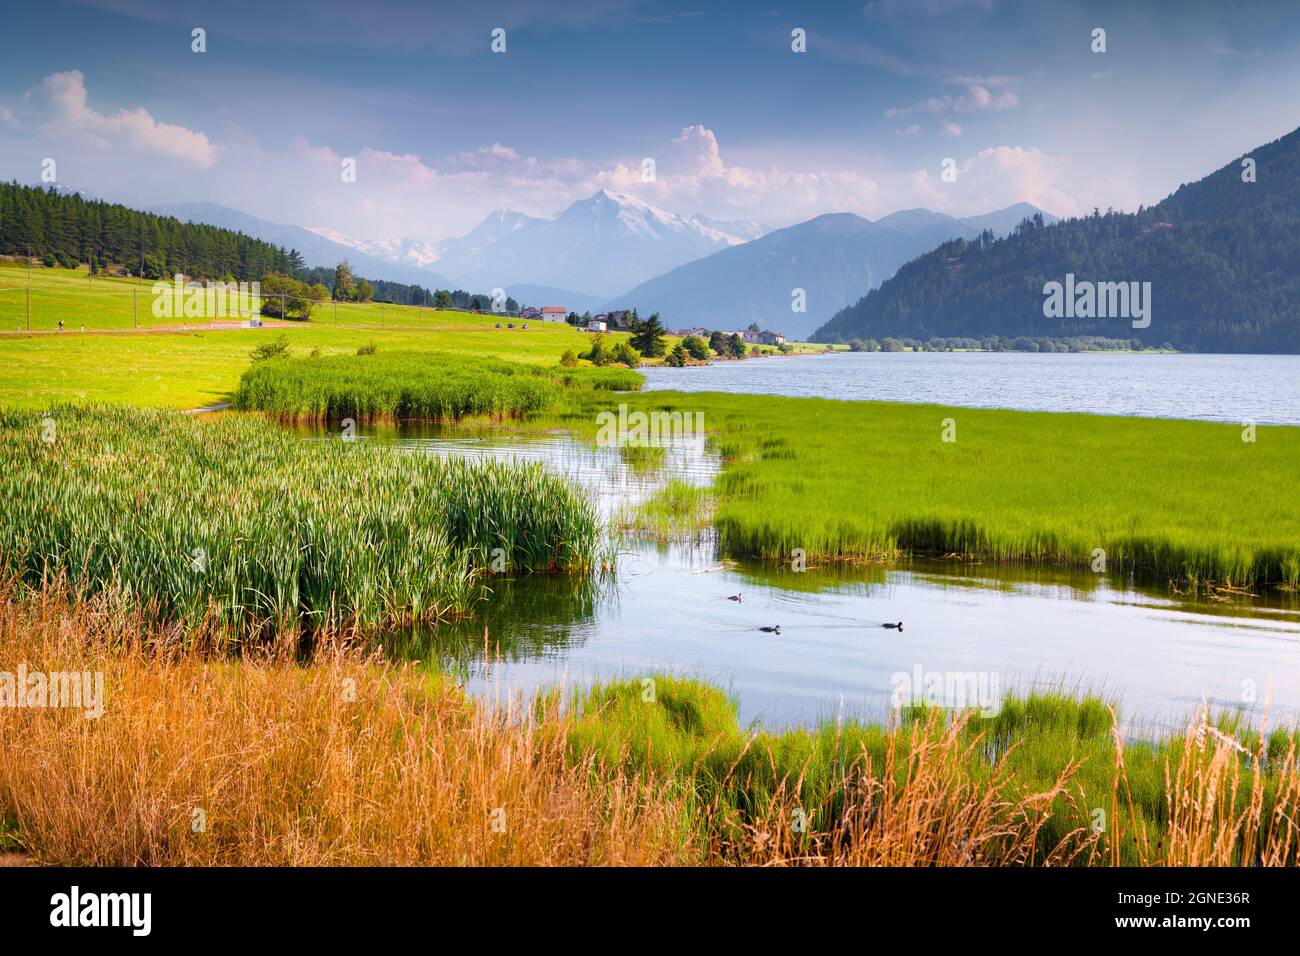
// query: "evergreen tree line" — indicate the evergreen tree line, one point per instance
point(71, 229)
point(345, 286)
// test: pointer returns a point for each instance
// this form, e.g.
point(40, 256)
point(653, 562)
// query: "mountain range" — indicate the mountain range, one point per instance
point(602, 245)
point(833, 259)
point(615, 251)
point(1217, 264)
point(315, 248)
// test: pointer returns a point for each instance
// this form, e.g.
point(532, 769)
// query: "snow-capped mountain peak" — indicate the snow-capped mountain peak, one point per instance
point(418, 252)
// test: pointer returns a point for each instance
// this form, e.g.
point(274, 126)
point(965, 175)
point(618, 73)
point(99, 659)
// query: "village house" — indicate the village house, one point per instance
point(768, 337)
point(699, 332)
point(553, 313)
point(530, 313)
point(597, 325)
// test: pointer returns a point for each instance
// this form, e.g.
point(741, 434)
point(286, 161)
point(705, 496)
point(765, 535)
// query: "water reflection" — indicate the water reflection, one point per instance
point(665, 608)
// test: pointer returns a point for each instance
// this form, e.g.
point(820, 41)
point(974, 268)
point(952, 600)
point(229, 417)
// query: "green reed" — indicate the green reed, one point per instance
point(413, 385)
point(237, 521)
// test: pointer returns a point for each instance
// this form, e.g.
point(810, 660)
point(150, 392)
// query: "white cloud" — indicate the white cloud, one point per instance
point(59, 109)
point(950, 129)
point(982, 94)
point(1001, 176)
point(692, 175)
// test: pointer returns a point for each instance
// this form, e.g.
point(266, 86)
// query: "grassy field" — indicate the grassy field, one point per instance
point(172, 367)
point(345, 758)
point(188, 369)
point(843, 480)
point(106, 303)
point(863, 480)
point(239, 523)
point(191, 369)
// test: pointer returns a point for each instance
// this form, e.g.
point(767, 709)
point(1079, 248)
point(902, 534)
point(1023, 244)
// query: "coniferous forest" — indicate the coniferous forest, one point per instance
point(40, 222)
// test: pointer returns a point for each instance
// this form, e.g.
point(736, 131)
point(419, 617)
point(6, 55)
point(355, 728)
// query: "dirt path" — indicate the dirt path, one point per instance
point(209, 327)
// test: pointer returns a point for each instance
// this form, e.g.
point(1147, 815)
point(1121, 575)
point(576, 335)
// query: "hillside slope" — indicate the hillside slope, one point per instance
point(833, 258)
point(1222, 257)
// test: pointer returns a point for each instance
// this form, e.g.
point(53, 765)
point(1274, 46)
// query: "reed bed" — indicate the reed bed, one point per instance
point(237, 521)
point(862, 481)
point(413, 385)
point(1049, 781)
point(346, 758)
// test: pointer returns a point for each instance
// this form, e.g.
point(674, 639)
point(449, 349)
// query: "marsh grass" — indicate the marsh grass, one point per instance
point(938, 787)
point(413, 385)
point(678, 510)
point(237, 521)
point(1179, 501)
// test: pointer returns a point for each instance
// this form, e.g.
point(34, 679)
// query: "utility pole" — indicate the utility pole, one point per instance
point(29, 287)
point(135, 317)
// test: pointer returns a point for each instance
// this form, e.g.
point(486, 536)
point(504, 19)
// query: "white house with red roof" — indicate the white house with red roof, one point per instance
point(553, 313)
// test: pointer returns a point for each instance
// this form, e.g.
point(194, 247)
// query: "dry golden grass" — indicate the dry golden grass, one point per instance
point(347, 759)
point(289, 772)
point(922, 807)
point(1208, 824)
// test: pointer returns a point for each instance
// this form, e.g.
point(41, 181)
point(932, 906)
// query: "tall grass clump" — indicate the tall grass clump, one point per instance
point(413, 385)
point(237, 520)
point(599, 378)
point(938, 787)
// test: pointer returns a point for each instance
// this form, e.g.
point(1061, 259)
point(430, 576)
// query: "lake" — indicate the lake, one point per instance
point(666, 608)
point(1225, 388)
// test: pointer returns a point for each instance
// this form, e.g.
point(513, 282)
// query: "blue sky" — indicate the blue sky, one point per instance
point(443, 130)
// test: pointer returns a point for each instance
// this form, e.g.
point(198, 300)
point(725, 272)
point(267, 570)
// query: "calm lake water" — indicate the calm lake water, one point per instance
point(1226, 388)
point(666, 608)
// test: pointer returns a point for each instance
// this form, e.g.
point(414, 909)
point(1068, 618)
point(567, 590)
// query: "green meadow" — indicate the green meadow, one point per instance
point(191, 369)
point(121, 303)
point(861, 481)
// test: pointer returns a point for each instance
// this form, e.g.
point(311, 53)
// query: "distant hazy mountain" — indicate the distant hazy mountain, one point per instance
point(598, 245)
point(409, 251)
point(316, 249)
point(497, 226)
point(423, 253)
point(1216, 265)
point(834, 259)
point(1004, 221)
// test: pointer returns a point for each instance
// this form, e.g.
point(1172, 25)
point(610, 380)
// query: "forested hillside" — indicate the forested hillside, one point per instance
point(1222, 256)
point(43, 222)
